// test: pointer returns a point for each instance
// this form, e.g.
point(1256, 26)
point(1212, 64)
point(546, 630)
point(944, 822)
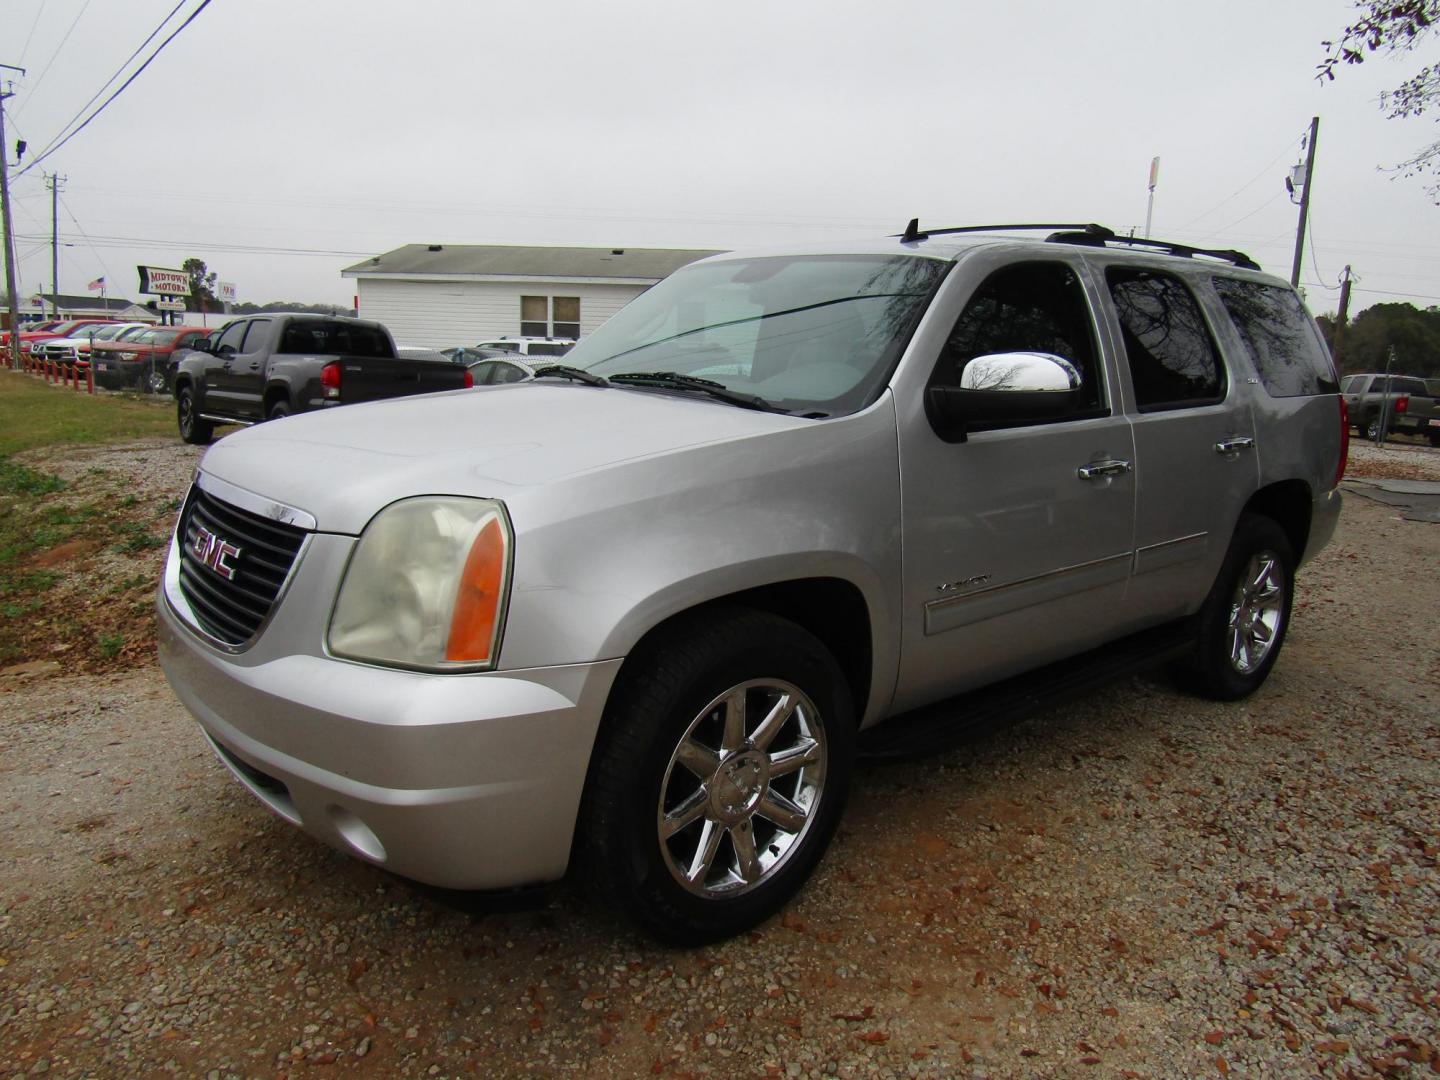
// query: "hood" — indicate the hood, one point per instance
point(342, 465)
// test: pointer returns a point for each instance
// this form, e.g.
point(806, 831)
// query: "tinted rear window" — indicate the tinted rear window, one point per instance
point(1281, 337)
point(1173, 362)
point(335, 339)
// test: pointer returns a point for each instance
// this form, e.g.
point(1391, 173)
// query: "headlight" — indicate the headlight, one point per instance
point(427, 586)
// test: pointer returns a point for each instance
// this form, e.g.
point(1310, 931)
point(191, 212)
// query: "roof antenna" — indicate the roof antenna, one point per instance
point(912, 232)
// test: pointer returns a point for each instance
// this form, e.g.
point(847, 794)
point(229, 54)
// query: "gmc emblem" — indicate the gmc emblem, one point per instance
point(212, 551)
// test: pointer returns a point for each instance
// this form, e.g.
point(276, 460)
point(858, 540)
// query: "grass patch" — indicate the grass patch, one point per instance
point(110, 645)
point(135, 538)
point(18, 480)
point(34, 414)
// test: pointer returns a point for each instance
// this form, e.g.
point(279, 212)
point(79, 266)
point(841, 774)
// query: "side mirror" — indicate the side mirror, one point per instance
point(204, 345)
point(1005, 388)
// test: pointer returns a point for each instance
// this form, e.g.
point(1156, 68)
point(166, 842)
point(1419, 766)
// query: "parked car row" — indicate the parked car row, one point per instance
point(74, 333)
point(147, 360)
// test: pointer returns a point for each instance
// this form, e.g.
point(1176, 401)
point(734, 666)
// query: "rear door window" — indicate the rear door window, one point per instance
point(1280, 336)
point(1173, 360)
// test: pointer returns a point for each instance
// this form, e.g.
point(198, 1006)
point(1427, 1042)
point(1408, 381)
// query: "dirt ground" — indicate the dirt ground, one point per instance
point(1140, 884)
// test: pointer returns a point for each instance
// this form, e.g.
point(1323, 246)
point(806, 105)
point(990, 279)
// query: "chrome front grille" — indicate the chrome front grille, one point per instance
point(233, 564)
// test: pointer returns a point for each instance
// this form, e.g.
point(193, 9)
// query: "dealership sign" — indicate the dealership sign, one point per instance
point(225, 292)
point(164, 282)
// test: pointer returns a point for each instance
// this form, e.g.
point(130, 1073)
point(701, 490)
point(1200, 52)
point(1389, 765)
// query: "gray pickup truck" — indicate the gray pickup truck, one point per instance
point(1406, 401)
point(636, 616)
point(263, 367)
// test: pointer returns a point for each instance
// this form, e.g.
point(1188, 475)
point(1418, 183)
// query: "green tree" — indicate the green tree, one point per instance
point(1396, 26)
point(1363, 344)
point(202, 282)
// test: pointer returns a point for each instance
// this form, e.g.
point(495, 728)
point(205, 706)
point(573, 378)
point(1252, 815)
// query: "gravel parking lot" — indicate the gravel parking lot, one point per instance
point(1140, 884)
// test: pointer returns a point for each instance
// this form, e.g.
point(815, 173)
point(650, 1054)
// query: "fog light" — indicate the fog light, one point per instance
point(357, 834)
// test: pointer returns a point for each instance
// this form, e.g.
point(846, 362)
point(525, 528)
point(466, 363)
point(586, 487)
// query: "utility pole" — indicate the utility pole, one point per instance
point(10, 298)
point(1341, 314)
point(53, 181)
point(1305, 198)
point(1150, 206)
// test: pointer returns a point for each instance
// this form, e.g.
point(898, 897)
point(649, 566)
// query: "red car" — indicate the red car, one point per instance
point(29, 328)
point(148, 361)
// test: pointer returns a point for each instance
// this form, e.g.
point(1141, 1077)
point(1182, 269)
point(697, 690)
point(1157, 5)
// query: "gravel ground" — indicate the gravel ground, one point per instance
point(1140, 884)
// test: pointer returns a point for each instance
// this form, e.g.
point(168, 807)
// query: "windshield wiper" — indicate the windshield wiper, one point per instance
point(670, 380)
point(574, 374)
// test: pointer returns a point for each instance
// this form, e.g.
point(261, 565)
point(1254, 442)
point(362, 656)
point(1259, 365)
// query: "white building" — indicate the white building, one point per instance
point(439, 295)
point(40, 306)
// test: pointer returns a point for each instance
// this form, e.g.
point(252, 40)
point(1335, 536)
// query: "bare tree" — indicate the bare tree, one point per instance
point(1395, 26)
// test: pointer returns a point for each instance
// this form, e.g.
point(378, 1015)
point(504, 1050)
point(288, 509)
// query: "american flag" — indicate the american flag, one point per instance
point(98, 285)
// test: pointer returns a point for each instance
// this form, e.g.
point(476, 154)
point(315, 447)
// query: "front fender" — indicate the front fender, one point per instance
point(602, 559)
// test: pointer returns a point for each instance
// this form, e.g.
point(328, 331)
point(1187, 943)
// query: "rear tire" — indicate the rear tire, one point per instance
point(1241, 627)
point(193, 429)
point(278, 410)
point(718, 777)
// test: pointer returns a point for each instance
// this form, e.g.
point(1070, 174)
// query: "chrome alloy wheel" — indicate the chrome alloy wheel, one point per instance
point(1255, 612)
point(742, 788)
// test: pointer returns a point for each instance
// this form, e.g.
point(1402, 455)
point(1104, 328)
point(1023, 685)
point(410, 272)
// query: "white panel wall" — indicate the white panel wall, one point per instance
point(442, 314)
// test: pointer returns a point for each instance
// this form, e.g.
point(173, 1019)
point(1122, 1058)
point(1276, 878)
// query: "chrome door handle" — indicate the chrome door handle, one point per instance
point(1097, 470)
point(1234, 444)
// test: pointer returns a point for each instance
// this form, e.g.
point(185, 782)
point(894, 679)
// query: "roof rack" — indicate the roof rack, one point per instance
point(1088, 235)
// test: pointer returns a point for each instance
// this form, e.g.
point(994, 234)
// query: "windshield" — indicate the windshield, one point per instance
point(808, 334)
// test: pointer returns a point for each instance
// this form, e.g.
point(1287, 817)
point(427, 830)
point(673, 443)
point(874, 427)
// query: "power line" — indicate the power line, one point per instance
point(1310, 232)
point(58, 50)
point(93, 249)
point(1243, 187)
point(257, 249)
point(118, 71)
point(30, 36)
point(101, 108)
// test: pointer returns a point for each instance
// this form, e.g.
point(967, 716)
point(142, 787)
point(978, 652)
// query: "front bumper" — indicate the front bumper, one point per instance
point(466, 781)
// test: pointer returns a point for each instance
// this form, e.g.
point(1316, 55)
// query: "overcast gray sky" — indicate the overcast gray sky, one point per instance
point(281, 141)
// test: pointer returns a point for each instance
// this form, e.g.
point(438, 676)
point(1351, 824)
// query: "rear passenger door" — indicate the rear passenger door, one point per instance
point(1195, 455)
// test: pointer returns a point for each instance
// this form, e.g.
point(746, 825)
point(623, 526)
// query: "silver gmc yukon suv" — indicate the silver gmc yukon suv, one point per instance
point(637, 616)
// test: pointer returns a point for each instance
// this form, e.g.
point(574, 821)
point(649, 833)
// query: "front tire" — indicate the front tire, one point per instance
point(719, 775)
point(1241, 627)
point(193, 429)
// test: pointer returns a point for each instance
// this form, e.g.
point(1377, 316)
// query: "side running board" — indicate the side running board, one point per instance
point(953, 721)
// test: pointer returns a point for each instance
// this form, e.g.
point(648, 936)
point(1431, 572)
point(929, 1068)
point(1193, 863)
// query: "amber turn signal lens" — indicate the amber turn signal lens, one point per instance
point(477, 604)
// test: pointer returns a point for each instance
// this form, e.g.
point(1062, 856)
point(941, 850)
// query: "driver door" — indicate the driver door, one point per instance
point(1018, 536)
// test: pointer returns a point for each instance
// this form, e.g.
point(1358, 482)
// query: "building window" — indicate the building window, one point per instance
point(566, 321)
point(550, 316)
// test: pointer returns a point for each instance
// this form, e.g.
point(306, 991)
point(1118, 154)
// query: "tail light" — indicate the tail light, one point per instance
point(1402, 404)
point(1344, 442)
point(330, 380)
point(469, 379)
